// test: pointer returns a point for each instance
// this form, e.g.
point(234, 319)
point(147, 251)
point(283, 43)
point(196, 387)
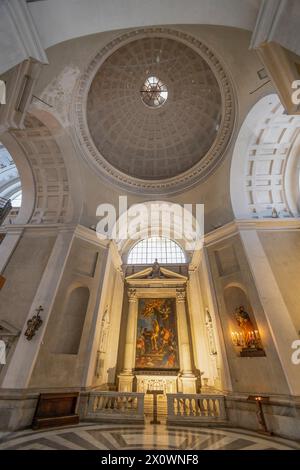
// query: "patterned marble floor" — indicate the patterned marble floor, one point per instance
point(117, 437)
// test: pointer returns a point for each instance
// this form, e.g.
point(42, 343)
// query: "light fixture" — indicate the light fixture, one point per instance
point(154, 92)
point(249, 343)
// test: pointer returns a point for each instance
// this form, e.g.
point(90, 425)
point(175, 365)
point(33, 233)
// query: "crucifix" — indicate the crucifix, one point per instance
point(155, 393)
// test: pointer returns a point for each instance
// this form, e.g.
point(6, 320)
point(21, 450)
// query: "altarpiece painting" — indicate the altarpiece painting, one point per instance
point(157, 342)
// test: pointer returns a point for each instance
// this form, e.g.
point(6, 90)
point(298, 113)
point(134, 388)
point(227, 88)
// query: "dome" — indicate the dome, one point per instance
point(160, 140)
point(155, 110)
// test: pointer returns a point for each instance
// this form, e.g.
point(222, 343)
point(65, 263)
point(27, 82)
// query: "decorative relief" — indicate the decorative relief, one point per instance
point(210, 334)
point(169, 185)
point(102, 346)
point(58, 94)
point(167, 384)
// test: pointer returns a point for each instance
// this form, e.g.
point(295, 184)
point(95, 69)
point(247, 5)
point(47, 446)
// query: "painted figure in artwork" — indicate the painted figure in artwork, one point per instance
point(156, 345)
point(243, 319)
point(155, 334)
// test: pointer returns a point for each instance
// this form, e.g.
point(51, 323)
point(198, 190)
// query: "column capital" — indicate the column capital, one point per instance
point(132, 295)
point(180, 294)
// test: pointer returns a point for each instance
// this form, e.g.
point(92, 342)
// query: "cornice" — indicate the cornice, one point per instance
point(237, 226)
point(220, 234)
point(36, 228)
point(156, 283)
point(289, 223)
point(217, 235)
point(90, 236)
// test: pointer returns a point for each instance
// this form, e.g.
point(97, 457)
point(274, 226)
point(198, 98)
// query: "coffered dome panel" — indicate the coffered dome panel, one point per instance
point(155, 110)
point(163, 140)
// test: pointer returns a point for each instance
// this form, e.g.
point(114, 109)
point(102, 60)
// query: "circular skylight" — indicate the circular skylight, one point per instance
point(154, 92)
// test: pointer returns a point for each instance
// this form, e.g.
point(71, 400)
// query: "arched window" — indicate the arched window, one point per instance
point(164, 250)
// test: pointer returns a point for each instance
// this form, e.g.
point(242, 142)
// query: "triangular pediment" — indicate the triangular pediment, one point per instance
point(171, 274)
point(140, 275)
point(164, 274)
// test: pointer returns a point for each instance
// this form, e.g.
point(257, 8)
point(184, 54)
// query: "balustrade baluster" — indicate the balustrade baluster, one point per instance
point(178, 406)
point(215, 408)
point(197, 407)
point(191, 408)
point(184, 407)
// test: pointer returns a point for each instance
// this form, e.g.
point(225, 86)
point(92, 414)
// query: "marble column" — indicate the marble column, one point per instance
point(114, 332)
point(202, 357)
point(187, 376)
point(126, 377)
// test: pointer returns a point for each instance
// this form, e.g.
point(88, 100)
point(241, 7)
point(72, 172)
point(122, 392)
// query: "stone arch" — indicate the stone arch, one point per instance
point(43, 169)
point(262, 180)
point(187, 232)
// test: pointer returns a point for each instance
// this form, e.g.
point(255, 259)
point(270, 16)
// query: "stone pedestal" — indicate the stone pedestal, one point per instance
point(125, 382)
point(189, 383)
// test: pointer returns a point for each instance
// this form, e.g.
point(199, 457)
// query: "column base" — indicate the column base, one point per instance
point(189, 383)
point(125, 382)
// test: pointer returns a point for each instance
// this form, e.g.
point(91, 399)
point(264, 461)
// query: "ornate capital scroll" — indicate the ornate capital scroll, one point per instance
point(132, 295)
point(180, 295)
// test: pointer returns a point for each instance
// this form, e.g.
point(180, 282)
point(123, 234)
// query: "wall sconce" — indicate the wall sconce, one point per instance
point(259, 400)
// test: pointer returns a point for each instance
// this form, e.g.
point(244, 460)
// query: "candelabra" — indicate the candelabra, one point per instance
point(249, 342)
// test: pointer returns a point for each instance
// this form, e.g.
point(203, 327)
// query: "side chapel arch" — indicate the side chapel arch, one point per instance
point(264, 179)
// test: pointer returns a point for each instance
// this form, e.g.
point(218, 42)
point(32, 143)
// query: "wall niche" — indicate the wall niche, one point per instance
point(244, 332)
point(71, 324)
